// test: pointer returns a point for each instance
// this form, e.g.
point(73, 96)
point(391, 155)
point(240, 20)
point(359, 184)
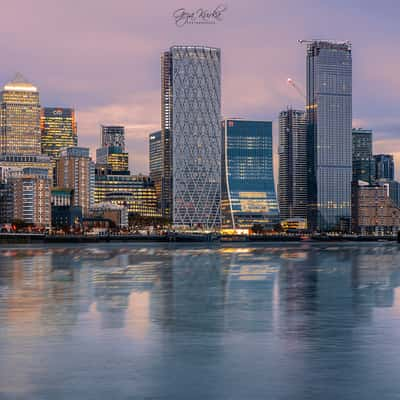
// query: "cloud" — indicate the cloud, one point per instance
point(104, 58)
point(140, 116)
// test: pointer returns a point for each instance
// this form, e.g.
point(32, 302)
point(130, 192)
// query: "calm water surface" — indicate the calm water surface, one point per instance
point(159, 321)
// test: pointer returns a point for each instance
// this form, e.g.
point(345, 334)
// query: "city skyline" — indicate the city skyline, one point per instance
point(71, 76)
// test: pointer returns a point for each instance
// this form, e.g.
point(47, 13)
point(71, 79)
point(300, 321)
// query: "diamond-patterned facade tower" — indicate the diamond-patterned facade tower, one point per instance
point(196, 136)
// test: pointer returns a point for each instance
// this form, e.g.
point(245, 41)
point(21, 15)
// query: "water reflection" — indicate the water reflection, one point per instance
point(163, 318)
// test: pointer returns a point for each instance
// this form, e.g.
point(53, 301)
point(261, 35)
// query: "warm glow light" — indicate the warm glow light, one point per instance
point(20, 88)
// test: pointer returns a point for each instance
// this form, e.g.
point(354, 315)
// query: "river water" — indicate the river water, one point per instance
point(237, 321)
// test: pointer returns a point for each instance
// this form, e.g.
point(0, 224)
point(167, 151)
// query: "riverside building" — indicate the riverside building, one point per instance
point(191, 136)
point(329, 118)
point(248, 189)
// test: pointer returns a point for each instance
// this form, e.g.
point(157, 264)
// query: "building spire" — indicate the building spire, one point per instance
point(19, 78)
point(20, 84)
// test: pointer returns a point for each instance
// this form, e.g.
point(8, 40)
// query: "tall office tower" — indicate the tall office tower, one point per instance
point(58, 129)
point(166, 138)
point(31, 193)
point(292, 186)
point(113, 136)
point(20, 118)
point(248, 190)
point(384, 167)
point(363, 161)
point(112, 151)
point(329, 114)
point(191, 135)
point(75, 170)
point(155, 163)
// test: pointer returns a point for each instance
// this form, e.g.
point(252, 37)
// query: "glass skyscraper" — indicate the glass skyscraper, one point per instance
point(20, 118)
point(58, 129)
point(248, 190)
point(384, 167)
point(155, 163)
point(112, 136)
point(112, 150)
point(292, 186)
point(166, 128)
point(191, 135)
point(329, 111)
point(363, 161)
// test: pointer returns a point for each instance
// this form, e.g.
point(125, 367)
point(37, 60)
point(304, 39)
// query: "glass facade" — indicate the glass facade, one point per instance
point(112, 150)
point(363, 161)
point(58, 130)
point(248, 190)
point(192, 106)
point(394, 192)
point(384, 167)
point(329, 111)
point(20, 118)
point(113, 136)
point(292, 186)
point(166, 128)
point(113, 156)
point(155, 163)
point(135, 192)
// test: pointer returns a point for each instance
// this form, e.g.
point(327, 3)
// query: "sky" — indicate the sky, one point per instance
point(103, 59)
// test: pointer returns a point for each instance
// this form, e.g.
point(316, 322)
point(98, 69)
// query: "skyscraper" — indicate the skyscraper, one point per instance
point(292, 187)
point(363, 162)
point(75, 170)
point(166, 139)
point(112, 151)
point(329, 114)
point(113, 136)
point(155, 163)
point(20, 118)
point(115, 157)
point(191, 135)
point(58, 130)
point(384, 167)
point(248, 190)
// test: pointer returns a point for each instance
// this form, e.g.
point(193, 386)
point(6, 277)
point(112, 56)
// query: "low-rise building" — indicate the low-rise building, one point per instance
point(116, 213)
point(63, 213)
point(136, 192)
point(373, 210)
point(30, 189)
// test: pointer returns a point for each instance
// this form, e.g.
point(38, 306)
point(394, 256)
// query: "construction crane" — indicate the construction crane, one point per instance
point(292, 83)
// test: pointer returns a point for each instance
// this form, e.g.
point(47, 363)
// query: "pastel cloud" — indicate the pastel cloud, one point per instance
point(103, 58)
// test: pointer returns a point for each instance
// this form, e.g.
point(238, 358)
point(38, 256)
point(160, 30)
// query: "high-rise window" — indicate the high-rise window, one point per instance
point(248, 190)
point(329, 111)
point(191, 135)
point(20, 118)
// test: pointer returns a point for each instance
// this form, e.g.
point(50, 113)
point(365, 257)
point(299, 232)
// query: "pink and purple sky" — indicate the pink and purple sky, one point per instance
point(102, 58)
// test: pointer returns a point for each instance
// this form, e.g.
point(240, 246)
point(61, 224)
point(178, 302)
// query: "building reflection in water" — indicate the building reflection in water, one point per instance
point(213, 305)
